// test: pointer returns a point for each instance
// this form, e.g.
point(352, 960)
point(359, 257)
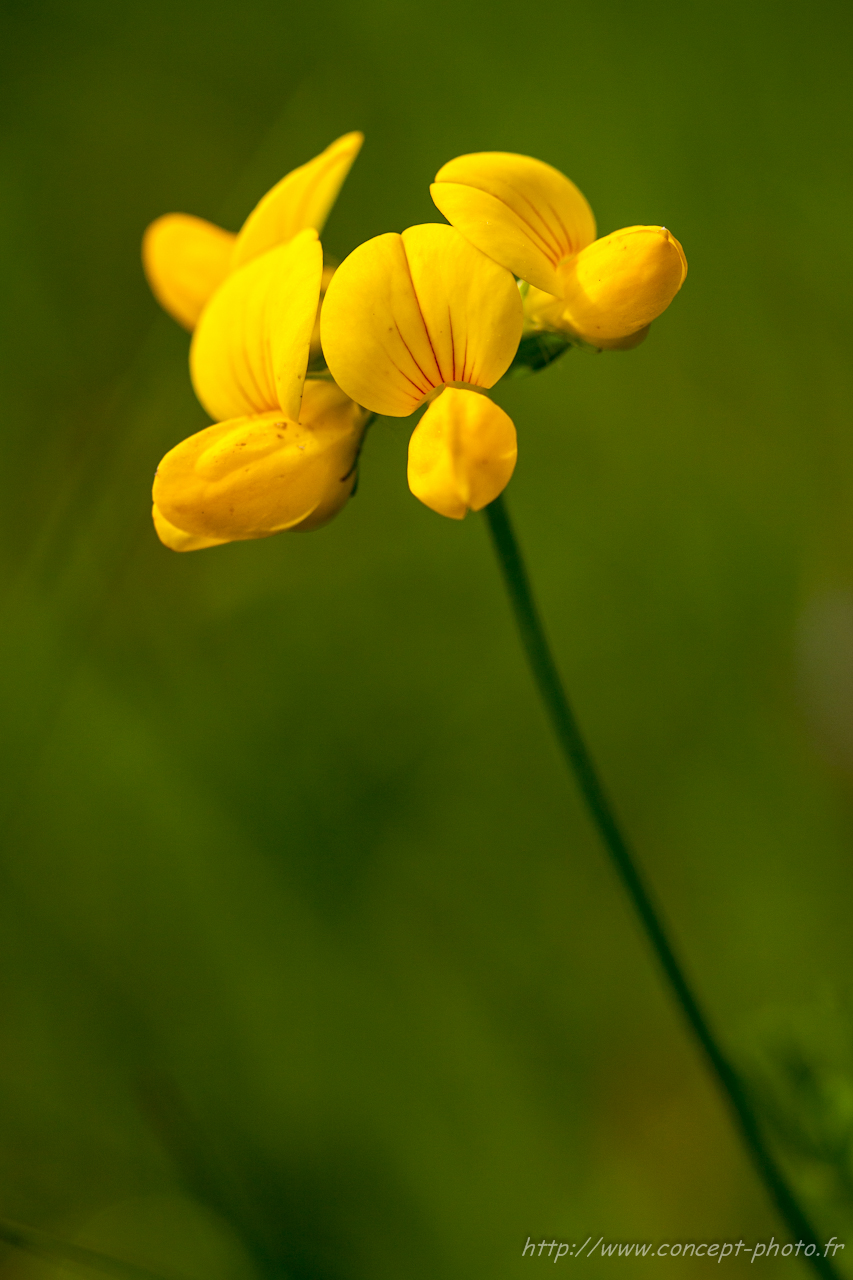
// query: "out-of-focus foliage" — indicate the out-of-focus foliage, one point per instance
point(310, 965)
point(802, 1082)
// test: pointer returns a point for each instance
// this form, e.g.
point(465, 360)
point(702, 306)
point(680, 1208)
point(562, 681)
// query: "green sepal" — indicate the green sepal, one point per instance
point(536, 351)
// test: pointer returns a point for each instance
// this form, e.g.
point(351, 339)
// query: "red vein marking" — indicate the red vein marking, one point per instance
point(429, 340)
point(452, 343)
point(429, 381)
point(548, 249)
point(553, 249)
point(441, 377)
point(537, 212)
point(569, 239)
point(420, 390)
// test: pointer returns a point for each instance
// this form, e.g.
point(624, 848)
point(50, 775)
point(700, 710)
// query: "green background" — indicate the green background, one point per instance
point(311, 965)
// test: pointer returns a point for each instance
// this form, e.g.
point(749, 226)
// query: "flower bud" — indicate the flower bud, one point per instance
point(254, 476)
point(616, 286)
point(462, 453)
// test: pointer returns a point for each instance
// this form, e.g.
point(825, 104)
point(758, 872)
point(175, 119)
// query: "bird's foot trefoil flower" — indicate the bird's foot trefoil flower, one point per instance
point(408, 315)
point(532, 220)
point(284, 453)
point(427, 320)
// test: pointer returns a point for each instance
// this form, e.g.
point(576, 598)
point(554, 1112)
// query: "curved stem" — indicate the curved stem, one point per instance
point(574, 749)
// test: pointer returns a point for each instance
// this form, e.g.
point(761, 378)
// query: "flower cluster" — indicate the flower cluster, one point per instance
point(293, 358)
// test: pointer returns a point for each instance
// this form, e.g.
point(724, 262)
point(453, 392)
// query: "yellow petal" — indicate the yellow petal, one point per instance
point(471, 307)
point(462, 453)
point(619, 284)
point(258, 475)
point(185, 260)
point(250, 350)
point(302, 199)
point(372, 331)
point(178, 539)
point(522, 212)
point(404, 314)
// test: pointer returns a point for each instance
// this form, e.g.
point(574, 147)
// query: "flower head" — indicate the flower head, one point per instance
point(406, 316)
point(532, 220)
point(430, 319)
point(284, 455)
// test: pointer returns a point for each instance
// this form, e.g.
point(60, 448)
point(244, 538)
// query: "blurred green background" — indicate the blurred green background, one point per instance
point(311, 965)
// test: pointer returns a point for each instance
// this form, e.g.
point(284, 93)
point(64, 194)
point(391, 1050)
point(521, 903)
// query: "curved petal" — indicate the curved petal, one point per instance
point(462, 453)
point(372, 332)
point(250, 350)
point(261, 474)
point(619, 284)
point(185, 260)
point(302, 199)
point(404, 314)
point(178, 539)
point(522, 212)
point(471, 307)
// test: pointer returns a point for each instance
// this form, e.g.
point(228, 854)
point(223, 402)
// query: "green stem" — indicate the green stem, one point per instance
point(565, 726)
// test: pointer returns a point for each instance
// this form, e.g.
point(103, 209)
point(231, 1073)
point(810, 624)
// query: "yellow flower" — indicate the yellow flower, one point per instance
point(424, 316)
point(532, 220)
point(284, 455)
point(186, 258)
